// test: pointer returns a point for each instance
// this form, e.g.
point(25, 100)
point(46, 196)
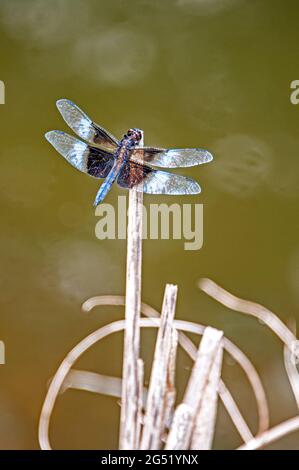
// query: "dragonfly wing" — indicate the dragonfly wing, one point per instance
point(83, 126)
point(171, 158)
point(91, 160)
point(145, 179)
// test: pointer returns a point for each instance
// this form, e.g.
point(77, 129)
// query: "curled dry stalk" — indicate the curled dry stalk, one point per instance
point(291, 354)
point(183, 414)
point(188, 346)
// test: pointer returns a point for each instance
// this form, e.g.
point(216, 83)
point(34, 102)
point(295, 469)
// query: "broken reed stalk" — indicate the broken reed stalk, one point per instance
point(100, 383)
point(290, 362)
point(205, 417)
point(292, 372)
point(194, 420)
point(180, 430)
point(158, 393)
point(191, 350)
point(97, 383)
point(132, 364)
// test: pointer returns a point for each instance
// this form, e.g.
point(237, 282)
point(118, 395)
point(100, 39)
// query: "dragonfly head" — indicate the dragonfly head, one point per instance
point(134, 134)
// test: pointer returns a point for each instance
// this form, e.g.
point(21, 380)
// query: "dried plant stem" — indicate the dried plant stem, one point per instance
point(130, 420)
point(61, 374)
point(234, 412)
point(92, 382)
point(197, 418)
point(189, 347)
point(251, 308)
point(292, 372)
point(245, 364)
point(154, 420)
point(112, 300)
point(170, 394)
point(71, 358)
point(291, 360)
point(291, 344)
point(193, 421)
point(106, 385)
point(202, 389)
point(180, 433)
point(140, 399)
point(225, 395)
point(57, 383)
point(272, 435)
point(203, 434)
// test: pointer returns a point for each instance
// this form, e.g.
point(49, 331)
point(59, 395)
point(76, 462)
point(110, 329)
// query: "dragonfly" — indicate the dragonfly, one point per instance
point(125, 161)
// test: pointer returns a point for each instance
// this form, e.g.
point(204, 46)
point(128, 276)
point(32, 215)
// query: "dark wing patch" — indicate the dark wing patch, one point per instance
point(145, 179)
point(132, 174)
point(99, 162)
point(84, 127)
point(91, 160)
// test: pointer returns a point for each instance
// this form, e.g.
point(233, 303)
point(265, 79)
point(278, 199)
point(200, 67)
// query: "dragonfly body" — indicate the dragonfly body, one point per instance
point(121, 155)
point(125, 161)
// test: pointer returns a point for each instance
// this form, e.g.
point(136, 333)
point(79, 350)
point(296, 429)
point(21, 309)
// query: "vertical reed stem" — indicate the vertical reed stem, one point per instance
point(160, 396)
point(130, 412)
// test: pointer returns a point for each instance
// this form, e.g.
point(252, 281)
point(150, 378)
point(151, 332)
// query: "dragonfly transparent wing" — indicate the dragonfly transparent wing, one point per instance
point(91, 160)
point(150, 181)
point(171, 158)
point(84, 127)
